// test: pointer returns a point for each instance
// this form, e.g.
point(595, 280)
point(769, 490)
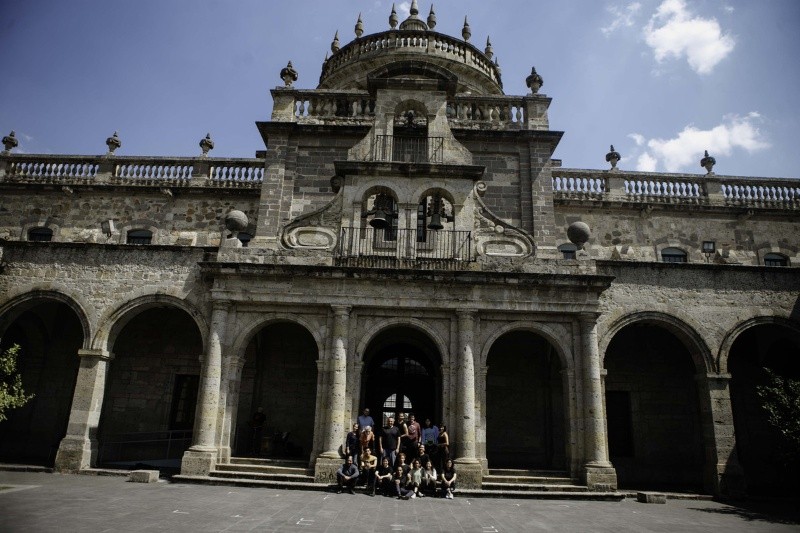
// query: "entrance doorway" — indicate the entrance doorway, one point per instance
point(402, 375)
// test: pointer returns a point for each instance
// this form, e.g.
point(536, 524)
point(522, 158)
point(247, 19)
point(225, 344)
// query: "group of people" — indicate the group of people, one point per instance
point(403, 459)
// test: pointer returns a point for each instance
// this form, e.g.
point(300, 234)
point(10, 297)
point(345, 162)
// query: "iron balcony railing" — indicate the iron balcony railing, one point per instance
point(406, 248)
point(409, 149)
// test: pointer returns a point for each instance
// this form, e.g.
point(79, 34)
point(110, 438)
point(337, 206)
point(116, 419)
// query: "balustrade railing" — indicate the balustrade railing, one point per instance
point(408, 149)
point(315, 106)
point(652, 187)
point(175, 171)
point(390, 248)
point(497, 112)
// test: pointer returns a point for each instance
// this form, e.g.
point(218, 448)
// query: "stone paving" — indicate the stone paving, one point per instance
point(75, 503)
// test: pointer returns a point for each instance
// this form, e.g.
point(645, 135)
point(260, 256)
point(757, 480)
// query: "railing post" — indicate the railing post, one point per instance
point(283, 104)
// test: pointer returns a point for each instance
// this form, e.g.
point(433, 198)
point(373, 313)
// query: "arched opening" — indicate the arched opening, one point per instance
point(760, 448)
point(49, 334)
point(151, 390)
point(401, 374)
point(652, 410)
point(279, 375)
point(524, 404)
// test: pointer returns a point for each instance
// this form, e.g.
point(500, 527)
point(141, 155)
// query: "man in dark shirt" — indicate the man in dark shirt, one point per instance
point(347, 475)
point(388, 440)
point(383, 481)
point(424, 458)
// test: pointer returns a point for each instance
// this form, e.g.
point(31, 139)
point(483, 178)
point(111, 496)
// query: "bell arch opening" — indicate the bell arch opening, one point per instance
point(402, 375)
point(525, 423)
point(49, 334)
point(655, 434)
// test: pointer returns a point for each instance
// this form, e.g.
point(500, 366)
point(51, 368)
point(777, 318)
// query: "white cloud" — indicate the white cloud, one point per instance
point(623, 17)
point(638, 138)
point(646, 163)
point(27, 138)
point(403, 10)
point(684, 151)
point(675, 32)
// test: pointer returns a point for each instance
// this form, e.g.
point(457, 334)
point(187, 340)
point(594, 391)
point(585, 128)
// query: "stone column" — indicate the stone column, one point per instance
point(234, 380)
point(202, 456)
point(333, 434)
point(724, 475)
point(598, 472)
point(469, 468)
point(78, 449)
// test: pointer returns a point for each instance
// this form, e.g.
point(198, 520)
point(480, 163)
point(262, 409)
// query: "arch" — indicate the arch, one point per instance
point(389, 323)
point(778, 260)
point(410, 104)
point(113, 321)
point(447, 80)
point(725, 347)
point(684, 329)
point(140, 224)
point(547, 332)
point(673, 254)
point(373, 189)
point(256, 323)
point(27, 297)
point(426, 190)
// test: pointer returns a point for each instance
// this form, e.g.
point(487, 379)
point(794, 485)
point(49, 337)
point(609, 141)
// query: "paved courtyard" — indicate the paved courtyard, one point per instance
point(50, 502)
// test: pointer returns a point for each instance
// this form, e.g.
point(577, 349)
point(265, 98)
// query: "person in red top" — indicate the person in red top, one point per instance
point(414, 436)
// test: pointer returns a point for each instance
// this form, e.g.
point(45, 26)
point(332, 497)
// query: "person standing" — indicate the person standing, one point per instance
point(443, 447)
point(367, 438)
point(352, 445)
point(414, 435)
point(365, 420)
point(257, 424)
point(347, 475)
point(388, 440)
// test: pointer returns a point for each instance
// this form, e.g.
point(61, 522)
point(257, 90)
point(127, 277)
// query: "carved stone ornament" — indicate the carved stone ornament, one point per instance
point(206, 144)
point(431, 19)
point(236, 221)
point(393, 19)
point(113, 143)
point(578, 233)
point(534, 81)
point(335, 44)
point(466, 31)
point(613, 157)
point(708, 162)
point(289, 74)
point(359, 29)
point(10, 141)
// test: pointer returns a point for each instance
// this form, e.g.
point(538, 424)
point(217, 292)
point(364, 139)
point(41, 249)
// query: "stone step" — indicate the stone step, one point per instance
point(242, 482)
point(541, 495)
point(262, 461)
point(283, 478)
point(264, 469)
point(528, 487)
point(525, 472)
point(544, 480)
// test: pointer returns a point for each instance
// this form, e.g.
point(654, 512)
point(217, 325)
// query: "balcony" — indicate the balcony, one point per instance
point(408, 149)
point(405, 248)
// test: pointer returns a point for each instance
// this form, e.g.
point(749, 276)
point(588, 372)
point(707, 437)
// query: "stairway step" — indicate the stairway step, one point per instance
point(528, 487)
point(284, 478)
point(544, 480)
point(264, 469)
point(541, 495)
point(263, 461)
point(526, 472)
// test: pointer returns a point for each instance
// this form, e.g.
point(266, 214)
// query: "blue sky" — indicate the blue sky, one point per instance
point(662, 80)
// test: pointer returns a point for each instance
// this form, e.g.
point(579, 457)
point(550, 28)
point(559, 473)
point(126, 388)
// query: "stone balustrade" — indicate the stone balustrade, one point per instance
point(322, 107)
point(663, 188)
point(131, 170)
point(423, 42)
point(492, 112)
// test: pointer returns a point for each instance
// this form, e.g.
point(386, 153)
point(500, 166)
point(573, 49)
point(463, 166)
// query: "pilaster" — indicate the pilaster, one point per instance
point(470, 473)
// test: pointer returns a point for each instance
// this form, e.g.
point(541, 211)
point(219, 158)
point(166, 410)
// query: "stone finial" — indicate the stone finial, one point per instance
point(10, 141)
point(708, 162)
point(578, 233)
point(359, 29)
point(112, 142)
point(489, 51)
point(431, 19)
point(289, 74)
point(466, 32)
point(236, 221)
point(534, 81)
point(324, 61)
point(414, 9)
point(497, 66)
point(206, 144)
point(393, 20)
point(335, 44)
point(613, 157)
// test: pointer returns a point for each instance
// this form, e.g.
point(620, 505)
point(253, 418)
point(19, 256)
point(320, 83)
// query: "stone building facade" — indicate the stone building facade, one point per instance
point(405, 243)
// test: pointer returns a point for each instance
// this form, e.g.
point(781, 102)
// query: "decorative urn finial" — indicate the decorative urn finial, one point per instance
point(613, 157)
point(534, 81)
point(206, 144)
point(359, 27)
point(497, 66)
point(431, 19)
point(324, 61)
point(10, 141)
point(393, 20)
point(708, 162)
point(288, 74)
point(414, 9)
point(112, 142)
point(489, 51)
point(335, 43)
point(578, 233)
point(466, 32)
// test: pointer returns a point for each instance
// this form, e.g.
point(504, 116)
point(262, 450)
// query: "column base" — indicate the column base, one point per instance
point(198, 463)
point(325, 468)
point(729, 482)
point(75, 454)
point(224, 454)
point(600, 477)
point(470, 473)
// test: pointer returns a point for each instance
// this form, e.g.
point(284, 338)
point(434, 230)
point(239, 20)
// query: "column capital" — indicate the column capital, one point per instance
point(341, 310)
point(221, 305)
point(104, 355)
point(588, 316)
point(466, 313)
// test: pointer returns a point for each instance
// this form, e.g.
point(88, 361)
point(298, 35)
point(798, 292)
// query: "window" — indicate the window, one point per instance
point(673, 255)
point(391, 406)
point(40, 234)
point(140, 236)
point(569, 251)
point(776, 260)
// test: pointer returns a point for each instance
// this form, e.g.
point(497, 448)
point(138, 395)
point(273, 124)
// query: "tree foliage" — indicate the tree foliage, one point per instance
point(780, 398)
point(12, 394)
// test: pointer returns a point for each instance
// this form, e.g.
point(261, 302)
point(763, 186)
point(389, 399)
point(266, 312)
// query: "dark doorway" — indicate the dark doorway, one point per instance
point(524, 403)
point(49, 334)
point(401, 375)
point(760, 449)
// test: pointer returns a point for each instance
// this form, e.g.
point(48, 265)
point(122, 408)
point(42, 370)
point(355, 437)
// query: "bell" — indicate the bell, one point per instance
point(379, 219)
point(436, 222)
